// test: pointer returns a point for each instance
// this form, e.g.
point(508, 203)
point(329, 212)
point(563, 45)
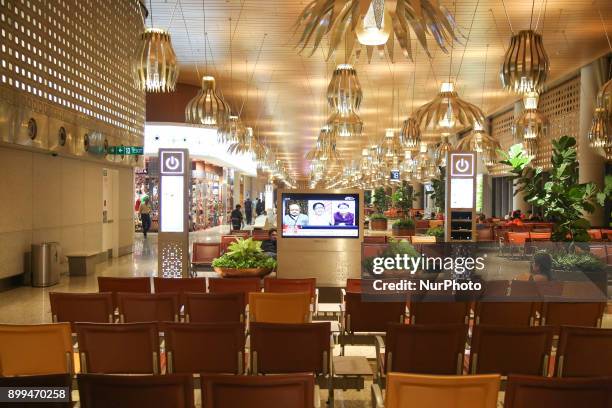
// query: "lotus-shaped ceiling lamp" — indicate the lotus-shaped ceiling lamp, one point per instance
point(410, 135)
point(344, 96)
point(526, 65)
point(207, 107)
point(154, 64)
point(531, 123)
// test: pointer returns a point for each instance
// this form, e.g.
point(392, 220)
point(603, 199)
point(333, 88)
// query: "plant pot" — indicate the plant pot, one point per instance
point(242, 273)
point(403, 232)
point(378, 224)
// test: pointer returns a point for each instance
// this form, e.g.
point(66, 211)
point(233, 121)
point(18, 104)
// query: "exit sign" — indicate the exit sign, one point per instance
point(126, 150)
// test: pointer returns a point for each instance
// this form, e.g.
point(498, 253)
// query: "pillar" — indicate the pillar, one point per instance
point(417, 201)
point(592, 165)
point(518, 199)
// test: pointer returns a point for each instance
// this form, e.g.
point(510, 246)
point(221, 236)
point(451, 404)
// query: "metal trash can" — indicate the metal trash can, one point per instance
point(45, 264)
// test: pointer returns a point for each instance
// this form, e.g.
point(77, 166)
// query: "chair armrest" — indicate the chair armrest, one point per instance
point(377, 398)
point(343, 292)
point(316, 301)
point(379, 344)
point(317, 397)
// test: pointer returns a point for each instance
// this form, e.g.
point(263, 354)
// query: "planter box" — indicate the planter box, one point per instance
point(242, 273)
point(378, 225)
point(403, 232)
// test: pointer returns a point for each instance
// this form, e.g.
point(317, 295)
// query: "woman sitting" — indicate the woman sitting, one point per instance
point(540, 269)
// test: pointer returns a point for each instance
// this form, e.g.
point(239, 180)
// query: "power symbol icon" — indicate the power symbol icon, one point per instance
point(462, 166)
point(172, 163)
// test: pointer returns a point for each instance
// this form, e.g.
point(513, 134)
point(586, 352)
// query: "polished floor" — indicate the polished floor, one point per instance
point(28, 305)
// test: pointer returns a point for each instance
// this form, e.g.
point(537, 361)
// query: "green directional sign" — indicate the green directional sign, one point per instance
point(126, 150)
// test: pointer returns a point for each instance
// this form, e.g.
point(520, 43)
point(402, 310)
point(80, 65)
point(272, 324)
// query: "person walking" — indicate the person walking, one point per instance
point(145, 215)
point(259, 207)
point(236, 217)
point(248, 210)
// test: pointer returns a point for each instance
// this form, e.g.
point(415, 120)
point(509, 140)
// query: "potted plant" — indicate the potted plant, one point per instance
point(579, 266)
point(378, 221)
point(438, 191)
point(403, 228)
point(403, 198)
point(437, 232)
point(244, 258)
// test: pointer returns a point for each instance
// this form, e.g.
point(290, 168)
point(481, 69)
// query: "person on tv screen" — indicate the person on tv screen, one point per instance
point(343, 216)
point(319, 217)
point(295, 218)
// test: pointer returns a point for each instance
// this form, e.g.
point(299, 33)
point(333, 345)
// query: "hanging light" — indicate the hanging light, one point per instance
point(442, 151)
point(325, 148)
point(154, 64)
point(531, 123)
point(410, 135)
point(599, 131)
point(526, 65)
point(447, 112)
point(479, 141)
point(232, 131)
point(207, 107)
point(374, 28)
point(344, 96)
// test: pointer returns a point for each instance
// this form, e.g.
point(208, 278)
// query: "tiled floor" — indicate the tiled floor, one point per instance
point(27, 305)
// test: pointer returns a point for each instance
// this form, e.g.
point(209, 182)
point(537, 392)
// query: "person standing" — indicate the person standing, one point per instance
point(236, 217)
point(248, 210)
point(259, 207)
point(145, 215)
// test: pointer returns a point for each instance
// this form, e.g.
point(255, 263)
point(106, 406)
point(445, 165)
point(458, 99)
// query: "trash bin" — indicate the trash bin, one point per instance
point(45, 264)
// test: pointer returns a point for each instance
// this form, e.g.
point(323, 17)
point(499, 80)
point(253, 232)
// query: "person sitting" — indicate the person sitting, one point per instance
point(540, 268)
point(482, 218)
point(268, 246)
point(516, 219)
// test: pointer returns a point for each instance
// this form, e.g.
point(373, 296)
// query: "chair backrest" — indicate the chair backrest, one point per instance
point(517, 238)
point(49, 380)
point(203, 253)
point(126, 391)
point(439, 312)
point(423, 239)
point(275, 285)
point(505, 313)
point(270, 391)
point(496, 288)
point(587, 314)
point(116, 285)
point(540, 236)
point(130, 348)
point(523, 290)
point(236, 285)
point(421, 224)
point(425, 349)
point(214, 307)
point(510, 350)
point(179, 285)
point(353, 285)
point(371, 316)
point(260, 235)
point(205, 347)
point(542, 392)
point(375, 239)
point(148, 307)
point(584, 352)
point(35, 349)
point(457, 391)
point(226, 240)
point(290, 348)
point(279, 307)
point(436, 223)
point(595, 234)
point(81, 307)
point(484, 234)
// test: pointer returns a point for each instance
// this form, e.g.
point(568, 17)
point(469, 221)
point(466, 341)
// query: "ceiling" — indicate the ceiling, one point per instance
point(282, 93)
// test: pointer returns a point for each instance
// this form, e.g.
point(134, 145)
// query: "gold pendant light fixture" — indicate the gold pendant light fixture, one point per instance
point(154, 65)
point(232, 131)
point(325, 148)
point(344, 96)
point(526, 65)
point(531, 124)
point(376, 23)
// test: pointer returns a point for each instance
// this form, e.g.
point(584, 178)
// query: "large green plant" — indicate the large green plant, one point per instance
point(563, 199)
point(403, 197)
point(381, 200)
point(244, 253)
point(438, 192)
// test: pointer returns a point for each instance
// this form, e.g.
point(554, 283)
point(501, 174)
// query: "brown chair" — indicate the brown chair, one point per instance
point(290, 348)
point(203, 253)
point(128, 391)
point(510, 350)
point(226, 240)
point(260, 235)
point(485, 234)
point(130, 348)
point(423, 239)
point(81, 307)
point(375, 239)
point(439, 312)
point(214, 307)
point(50, 380)
point(179, 285)
point(279, 307)
point(595, 234)
point(205, 347)
point(524, 290)
point(584, 352)
point(148, 307)
point(505, 313)
point(540, 392)
point(586, 314)
point(236, 285)
point(353, 285)
point(423, 349)
point(494, 289)
point(116, 285)
point(457, 391)
point(270, 391)
point(35, 349)
point(274, 285)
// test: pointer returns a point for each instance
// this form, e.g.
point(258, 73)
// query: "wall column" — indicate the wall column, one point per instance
point(417, 201)
point(518, 199)
point(592, 165)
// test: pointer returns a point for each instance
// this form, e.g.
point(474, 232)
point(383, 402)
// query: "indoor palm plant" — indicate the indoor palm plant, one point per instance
point(244, 258)
point(378, 220)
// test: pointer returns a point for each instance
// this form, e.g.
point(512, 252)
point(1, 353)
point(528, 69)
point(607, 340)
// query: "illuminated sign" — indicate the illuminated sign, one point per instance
point(172, 162)
point(462, 180)
point(395, 175)
point(126, 150)
point(172, 190)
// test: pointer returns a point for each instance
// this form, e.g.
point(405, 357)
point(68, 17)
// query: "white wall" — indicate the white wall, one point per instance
point(47, 198)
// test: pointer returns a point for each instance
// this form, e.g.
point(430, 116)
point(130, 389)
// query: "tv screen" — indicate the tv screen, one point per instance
point(312, 215)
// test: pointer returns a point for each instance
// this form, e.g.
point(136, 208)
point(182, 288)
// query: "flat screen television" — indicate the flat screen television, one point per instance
point(320, 215)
